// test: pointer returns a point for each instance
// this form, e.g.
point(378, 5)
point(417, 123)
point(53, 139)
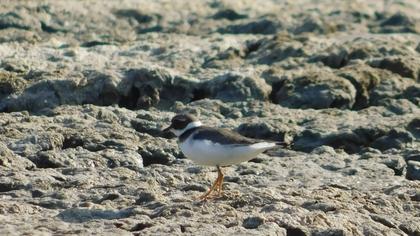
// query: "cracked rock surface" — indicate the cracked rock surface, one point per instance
point(87, 86)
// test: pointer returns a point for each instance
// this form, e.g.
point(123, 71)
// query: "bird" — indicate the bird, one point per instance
point(217, 147)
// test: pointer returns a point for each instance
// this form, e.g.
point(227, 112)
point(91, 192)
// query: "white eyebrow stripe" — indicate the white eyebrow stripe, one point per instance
point(189, 126)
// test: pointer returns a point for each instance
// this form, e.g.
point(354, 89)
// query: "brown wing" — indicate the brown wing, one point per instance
point(222, 136)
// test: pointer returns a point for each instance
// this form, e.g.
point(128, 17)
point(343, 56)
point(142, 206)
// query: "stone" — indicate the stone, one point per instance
point(262, 26)
point(281, 47)
point(394, 139)
point(313, 25)
point(86, 89)
point(410, 228)
point(16, 20)
point(10, 83)
point(141, 18)
point(9, 159)
point(325, 207)
point(406, 66)
point(363, 79)
point(253, 222)
point(80, 215)
point(235, 87)
point(263, 130)
point(145, 197)
point(229, 14)
point(195, 187)
point(413, 170)
point(152, 154)
point(397, 163)
point(412, 93)
point(397, 23)
point(330, 232)
point(336, 58)
point(313, 91)
point(144, 88)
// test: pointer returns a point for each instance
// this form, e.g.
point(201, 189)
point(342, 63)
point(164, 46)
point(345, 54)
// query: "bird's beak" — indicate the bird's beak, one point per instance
point(167, 129)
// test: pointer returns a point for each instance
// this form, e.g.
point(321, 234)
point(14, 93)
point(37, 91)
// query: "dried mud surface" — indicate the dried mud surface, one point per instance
point(87, 86)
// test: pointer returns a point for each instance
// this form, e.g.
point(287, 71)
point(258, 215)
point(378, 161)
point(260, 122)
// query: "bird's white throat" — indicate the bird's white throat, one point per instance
point(189, 126)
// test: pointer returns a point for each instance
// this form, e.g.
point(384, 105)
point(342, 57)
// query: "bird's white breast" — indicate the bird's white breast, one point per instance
point(206, 152)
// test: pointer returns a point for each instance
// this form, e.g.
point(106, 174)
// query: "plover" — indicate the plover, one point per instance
point(214, 146)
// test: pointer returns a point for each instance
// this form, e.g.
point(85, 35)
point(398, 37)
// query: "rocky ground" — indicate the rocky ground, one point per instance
point(86, 87)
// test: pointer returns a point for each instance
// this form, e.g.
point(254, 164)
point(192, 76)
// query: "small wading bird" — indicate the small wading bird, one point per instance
point(214, 147)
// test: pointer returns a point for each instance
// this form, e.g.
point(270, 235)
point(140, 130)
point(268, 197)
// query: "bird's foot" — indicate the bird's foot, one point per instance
point(215, 191)
point(217, 186)
point(206, 196)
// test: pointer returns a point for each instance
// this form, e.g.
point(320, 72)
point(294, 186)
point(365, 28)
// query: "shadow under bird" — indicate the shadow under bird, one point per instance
point(214, 146)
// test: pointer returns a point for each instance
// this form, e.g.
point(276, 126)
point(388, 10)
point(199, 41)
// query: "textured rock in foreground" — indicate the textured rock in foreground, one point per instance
point(90, 177)
point(86, 87)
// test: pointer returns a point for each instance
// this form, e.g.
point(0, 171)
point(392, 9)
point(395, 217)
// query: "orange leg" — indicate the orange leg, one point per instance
point(220, 185)
point(217, 185)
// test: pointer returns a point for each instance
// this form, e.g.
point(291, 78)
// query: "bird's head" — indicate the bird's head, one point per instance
point(181, 123)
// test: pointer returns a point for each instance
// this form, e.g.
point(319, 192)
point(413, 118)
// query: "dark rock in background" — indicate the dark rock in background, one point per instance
point(413, 170)
point(261, 26)
point(317, 89)
point(87, 86)
point(229, 14)
point(406, 67)
point(236, 87)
